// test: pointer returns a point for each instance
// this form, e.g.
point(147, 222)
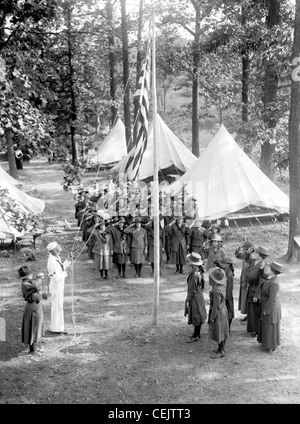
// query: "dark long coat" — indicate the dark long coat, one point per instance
point(242, 303)
point(269, 325)
point(218, 319)
point(229, 293)
point(33, 319)
point(120, 245)
point(196, 311)
point(178, 241)
point(195, 240)
point(253, 309)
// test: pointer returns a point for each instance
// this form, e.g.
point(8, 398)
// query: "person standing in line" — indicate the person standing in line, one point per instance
point(139, 245)
point(218, 317)
point(245, 253)
point(178, 234)
point(253, 280)
point(270, 319)
point(56, 271)
point(196, 238)
point(33, 319)
point(120, 246)
point(91, 236)
point(194, 303)
point(214, 251)
point(102, 250)
point(19, 158)
point(227, 265)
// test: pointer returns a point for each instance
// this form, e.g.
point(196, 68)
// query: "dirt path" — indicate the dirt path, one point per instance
point(114, 355)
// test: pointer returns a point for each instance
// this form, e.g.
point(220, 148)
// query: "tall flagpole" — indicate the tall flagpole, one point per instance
point(155, 197)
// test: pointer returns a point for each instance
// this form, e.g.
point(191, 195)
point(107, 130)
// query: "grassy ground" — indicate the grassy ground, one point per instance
point(113, 353)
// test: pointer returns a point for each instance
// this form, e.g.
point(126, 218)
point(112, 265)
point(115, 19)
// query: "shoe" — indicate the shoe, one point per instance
point(118, 277)
point(141, 275)
point(194, 339)
point(124, 276)
point(219, 354)
point(136, 275)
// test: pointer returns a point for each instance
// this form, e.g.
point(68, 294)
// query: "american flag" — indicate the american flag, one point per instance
point(138, 146)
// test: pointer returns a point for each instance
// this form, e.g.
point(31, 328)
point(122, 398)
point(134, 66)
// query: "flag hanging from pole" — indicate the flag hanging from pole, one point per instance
point(139, 146)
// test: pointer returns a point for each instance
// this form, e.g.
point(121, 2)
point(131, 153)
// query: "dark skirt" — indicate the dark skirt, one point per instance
point(269, 334)
point(137, 255)
point(253, 316)
point(32, 325)
point(243, 304)
point(119, 258)
point(178, 258)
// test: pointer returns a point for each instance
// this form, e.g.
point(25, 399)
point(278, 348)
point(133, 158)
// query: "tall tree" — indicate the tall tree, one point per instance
point(270, 93)
point(126, 80)
point(294, 143)
point(73, 107)
point(112, 62)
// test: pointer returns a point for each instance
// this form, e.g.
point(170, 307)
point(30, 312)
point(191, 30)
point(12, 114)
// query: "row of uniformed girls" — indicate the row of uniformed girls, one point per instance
point(258, 297)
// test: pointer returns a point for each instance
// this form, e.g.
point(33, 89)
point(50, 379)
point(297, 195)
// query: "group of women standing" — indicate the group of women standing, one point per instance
point(258, 296)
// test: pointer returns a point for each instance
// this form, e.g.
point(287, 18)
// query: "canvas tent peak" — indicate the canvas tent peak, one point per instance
point(113, 148)
point(174, 156)
point(225, 180)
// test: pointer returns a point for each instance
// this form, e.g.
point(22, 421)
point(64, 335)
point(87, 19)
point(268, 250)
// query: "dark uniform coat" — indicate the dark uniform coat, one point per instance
point(242, 303)
point(229, 293)
point(253, 309)
point(33, 319)
point(177, 237)
point(138, 244)
point(195, 240)
point(196, 310)
point(269, 326)
point(218, 319)
point(119, 242)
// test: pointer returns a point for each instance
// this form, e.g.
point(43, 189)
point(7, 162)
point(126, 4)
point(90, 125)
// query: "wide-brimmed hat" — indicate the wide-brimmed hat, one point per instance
point(216, 237)
point(227, 260)
point(262, 251)
point(247, 244)
point(51, 246)
point(215, 225)
point(275, 266)
point(24, 271)
point(121, 219)
point(138, 219)
point(194, 259)
point(218, 275)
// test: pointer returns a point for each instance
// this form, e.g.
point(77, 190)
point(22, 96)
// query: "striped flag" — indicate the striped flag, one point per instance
point(138, 146)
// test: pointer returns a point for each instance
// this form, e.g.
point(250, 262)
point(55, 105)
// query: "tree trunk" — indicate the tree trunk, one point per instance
point(245, 80)
point(112, 64)
point(195, 95)
point(126, 82)
point(10, 153)
point(73, 111)
point(270, 94)
point(294, 143)
point(138, 68)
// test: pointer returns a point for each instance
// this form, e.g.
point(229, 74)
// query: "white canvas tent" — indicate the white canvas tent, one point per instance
point(224, 180)
point(174, 156)
point(113, 148)
point(24, 201)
